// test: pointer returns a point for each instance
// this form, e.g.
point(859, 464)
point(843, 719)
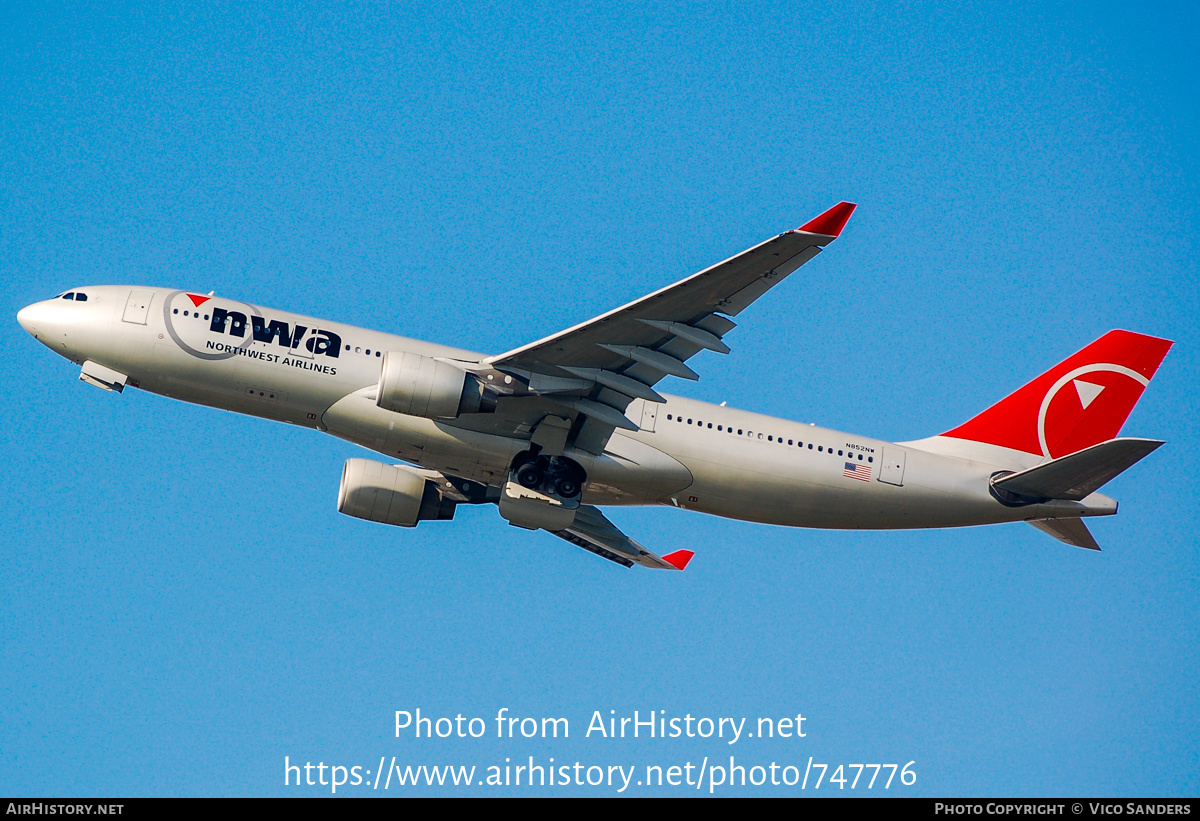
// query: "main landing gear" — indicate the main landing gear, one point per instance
point(556, 476)
point(542, 491)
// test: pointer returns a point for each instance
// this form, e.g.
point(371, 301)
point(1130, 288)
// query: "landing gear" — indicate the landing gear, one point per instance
point(555, 476)
point(542, 491)
point(566, 487)
point(531, 476)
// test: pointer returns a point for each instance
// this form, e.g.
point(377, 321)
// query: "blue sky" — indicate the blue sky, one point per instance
point(183, 607)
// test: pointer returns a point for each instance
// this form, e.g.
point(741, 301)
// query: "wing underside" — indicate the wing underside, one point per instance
point(592, 531)
point(591, 373)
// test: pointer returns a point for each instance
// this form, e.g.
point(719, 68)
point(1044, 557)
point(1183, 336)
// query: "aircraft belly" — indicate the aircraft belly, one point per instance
point(241, 385)
point(814, 492)
point(429, 443)
point(631, 472)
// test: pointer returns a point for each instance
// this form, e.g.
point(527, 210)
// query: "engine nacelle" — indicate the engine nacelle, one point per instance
point(390, 494)
point(417, 385)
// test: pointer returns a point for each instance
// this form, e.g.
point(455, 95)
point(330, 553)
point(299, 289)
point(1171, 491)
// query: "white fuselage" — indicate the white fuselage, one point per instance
point(690, 454)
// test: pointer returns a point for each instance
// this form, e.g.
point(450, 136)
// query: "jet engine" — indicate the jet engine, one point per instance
point(390, 494)
point(418, 385)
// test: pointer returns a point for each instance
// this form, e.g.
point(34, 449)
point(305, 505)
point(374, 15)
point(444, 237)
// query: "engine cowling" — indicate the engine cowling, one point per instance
point(390, 494)
point(418, 385)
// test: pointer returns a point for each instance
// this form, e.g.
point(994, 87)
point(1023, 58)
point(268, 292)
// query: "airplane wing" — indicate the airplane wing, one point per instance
point(592, 531)
point(589, 374)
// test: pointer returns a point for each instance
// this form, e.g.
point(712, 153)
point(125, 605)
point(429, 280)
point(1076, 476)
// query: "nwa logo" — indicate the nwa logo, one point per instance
point(192, 319)
point(318, 343)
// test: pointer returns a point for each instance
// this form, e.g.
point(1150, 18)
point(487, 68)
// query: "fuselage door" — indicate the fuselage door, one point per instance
point(649, 414)
point(891, 469)
point(137, 307)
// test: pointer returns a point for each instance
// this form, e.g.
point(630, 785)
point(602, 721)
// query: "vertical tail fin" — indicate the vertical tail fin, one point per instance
point(1080, 402)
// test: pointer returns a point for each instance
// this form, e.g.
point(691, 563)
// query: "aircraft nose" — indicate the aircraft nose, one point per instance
point(41, 319)
point(28, 317)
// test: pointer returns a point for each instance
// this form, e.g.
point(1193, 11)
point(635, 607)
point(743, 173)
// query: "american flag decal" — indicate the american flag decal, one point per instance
point(860, 472)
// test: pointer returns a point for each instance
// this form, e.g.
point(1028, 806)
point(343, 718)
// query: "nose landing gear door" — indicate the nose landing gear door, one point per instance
point(137, 307)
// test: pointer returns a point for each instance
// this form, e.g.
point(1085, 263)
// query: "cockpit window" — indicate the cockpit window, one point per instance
point(80, 297)
point(69, 296)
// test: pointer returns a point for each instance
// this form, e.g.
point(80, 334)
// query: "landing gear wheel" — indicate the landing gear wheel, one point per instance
point(566, 487)
point(530, 476)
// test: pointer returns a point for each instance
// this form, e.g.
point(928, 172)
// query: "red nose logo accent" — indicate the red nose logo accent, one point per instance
point(198, 300)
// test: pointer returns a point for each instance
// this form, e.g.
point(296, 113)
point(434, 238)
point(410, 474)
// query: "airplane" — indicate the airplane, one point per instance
point(552, 431)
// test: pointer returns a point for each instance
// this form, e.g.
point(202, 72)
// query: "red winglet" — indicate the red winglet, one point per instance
point(832, 221)
point(679, 559)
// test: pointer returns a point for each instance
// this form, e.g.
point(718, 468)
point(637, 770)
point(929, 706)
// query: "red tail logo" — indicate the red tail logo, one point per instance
point(1082, 401)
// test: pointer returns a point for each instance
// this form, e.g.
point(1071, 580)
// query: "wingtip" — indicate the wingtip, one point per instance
point(679, 559)
point(831, 222)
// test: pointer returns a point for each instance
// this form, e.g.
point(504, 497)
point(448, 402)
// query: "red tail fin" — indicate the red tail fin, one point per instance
point(1080, 402)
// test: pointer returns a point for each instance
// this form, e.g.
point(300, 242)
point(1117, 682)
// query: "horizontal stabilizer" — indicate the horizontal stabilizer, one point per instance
point(1077, 476)
point(592, 531)
point(1069, 531)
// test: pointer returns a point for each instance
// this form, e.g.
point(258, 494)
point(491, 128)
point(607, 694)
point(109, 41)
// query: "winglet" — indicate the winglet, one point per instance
point(679, 559)
point(831, 222)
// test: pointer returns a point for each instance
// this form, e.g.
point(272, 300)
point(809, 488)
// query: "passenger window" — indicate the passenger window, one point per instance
point(870, 458)
point(860, 457)
point(821, 448)
point(810, 445)
point(689, 421)
point(720, 428)
point(739, 431)
point(668, 417)
point(710, 425)
point(789, 441)
point(839, 453)
point(760, 436)
point(770, 439)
